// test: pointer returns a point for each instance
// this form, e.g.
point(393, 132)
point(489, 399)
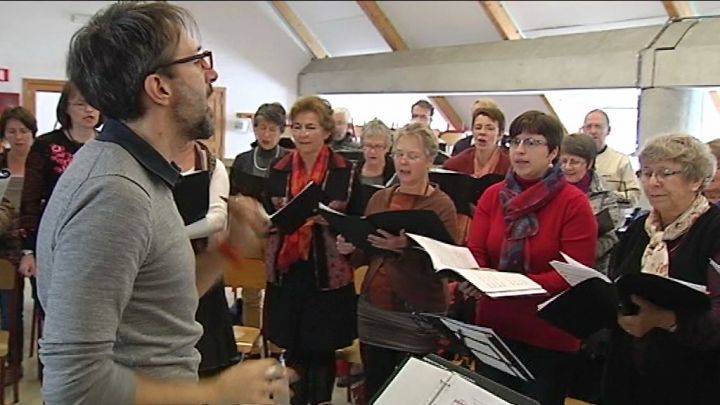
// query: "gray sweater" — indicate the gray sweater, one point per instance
point(116, 279)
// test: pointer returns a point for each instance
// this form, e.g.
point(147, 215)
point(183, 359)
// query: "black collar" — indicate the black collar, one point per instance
point(604, 148)
point(116, 132)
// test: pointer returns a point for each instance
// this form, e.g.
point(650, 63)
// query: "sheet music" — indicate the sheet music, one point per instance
point(498, 284)
point(418, 382)
point(330, 210)
point(575, 274)
point(460, 391)
point(715, 266)
point(696, 287)
point(445, 256)
point(488, 347)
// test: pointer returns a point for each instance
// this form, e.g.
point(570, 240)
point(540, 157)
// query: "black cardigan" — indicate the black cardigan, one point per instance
point(663, 367)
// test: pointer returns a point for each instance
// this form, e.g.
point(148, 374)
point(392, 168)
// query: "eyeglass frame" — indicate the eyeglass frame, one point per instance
point(659, 176)
point(199, 56)
point(374, 147)
point(530, 143)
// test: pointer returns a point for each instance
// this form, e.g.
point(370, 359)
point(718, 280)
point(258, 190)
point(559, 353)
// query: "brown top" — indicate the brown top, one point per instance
point(407, 282)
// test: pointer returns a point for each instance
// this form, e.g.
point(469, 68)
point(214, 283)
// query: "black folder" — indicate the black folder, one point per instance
point(584, 309)
point(356, 229)
point(192, 196)
point(250, 185)
point(298, 210)
point(662, 291)
point(594, 304)
point(362, 194)
point(463, 189)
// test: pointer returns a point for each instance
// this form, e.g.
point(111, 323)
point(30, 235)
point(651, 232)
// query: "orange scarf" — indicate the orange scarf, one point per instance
point(296, 246)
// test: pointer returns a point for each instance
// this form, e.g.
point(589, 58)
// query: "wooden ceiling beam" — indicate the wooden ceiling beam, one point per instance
point(501, 19)
point(679, 9)
point(392, 37)
point(300, 29)
point(509, 31)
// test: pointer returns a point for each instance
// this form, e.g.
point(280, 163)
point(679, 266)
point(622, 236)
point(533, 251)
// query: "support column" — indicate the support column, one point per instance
point(663, 110)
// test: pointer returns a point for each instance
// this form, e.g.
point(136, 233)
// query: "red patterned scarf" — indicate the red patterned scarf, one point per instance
point(519, 208)
point(296, 246)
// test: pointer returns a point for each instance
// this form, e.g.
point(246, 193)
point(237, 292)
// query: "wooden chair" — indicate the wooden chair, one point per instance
point(8, 280)
point(351, 354)
point(249, 273)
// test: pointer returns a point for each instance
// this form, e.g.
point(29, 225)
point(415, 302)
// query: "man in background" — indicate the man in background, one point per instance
point(612, 166)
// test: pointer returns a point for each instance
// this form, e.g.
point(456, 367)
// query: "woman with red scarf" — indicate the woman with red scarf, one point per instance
point(520, 225)
point(310, 297)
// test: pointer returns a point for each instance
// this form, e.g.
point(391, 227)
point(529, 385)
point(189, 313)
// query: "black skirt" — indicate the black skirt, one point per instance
point(300, 317)
point(217, 344)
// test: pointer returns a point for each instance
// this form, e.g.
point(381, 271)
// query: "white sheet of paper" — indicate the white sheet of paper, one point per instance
point(575, 274)
point(446, 256)
point(460, 391)
point(416, 383)
point(501, 284)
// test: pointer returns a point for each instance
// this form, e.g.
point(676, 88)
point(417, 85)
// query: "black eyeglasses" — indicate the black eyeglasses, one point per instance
point(205, 57)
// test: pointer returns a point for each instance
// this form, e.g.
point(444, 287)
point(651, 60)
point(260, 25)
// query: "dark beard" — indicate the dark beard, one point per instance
point(203, 129)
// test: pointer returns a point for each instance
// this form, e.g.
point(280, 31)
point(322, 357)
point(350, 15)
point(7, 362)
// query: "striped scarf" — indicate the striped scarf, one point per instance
point(519, 207)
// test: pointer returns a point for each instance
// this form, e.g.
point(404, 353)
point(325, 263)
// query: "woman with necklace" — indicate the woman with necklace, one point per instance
point(268, 124)
point(18, 128)
point(49, 156)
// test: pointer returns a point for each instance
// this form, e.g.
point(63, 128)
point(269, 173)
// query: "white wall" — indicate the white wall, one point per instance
point(257, 58)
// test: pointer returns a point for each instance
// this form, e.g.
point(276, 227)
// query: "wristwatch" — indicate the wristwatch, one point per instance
point(27, 252)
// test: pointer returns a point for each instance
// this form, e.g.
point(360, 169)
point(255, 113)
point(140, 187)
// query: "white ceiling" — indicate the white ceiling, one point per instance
point(343, 28)
point(425, 24)
point(340, 26)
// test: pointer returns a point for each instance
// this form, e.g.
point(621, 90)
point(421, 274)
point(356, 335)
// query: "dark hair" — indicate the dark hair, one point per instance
point(580, 145)
point(273, 113)
point(63, 118)
point(21, 114)
point(319, 106)
point(537, 122)
point(110, 57)
point(603, 113)
point(494, 114)
point(424, 104)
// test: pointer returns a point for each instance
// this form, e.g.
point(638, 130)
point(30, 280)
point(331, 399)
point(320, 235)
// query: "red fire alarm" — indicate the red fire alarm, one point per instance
point(4, 75)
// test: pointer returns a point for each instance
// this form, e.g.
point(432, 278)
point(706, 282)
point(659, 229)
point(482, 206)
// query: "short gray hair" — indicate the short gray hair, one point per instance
point(422, 132)
point(377, 128)
point(695, 157)
point(344, 111)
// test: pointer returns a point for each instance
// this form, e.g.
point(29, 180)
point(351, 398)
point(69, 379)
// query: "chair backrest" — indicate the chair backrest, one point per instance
point(7, 275)
point(249, 273)
point(359, 275)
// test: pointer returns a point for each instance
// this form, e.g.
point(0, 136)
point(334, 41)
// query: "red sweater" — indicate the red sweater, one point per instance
point(567, 224)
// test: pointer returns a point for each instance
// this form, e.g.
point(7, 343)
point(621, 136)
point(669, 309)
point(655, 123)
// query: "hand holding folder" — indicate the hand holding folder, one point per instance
point(357, 229)
point(594, 301)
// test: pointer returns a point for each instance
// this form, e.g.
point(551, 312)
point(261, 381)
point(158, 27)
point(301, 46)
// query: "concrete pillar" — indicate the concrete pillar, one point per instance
point(663, 110)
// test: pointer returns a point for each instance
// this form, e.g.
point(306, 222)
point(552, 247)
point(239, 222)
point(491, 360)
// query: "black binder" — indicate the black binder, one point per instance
point(463, 189)
point(356, 229)
point(192, 196)
point(433, 380)
point(594, 303)
point(250, 185)
point(303, 206)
